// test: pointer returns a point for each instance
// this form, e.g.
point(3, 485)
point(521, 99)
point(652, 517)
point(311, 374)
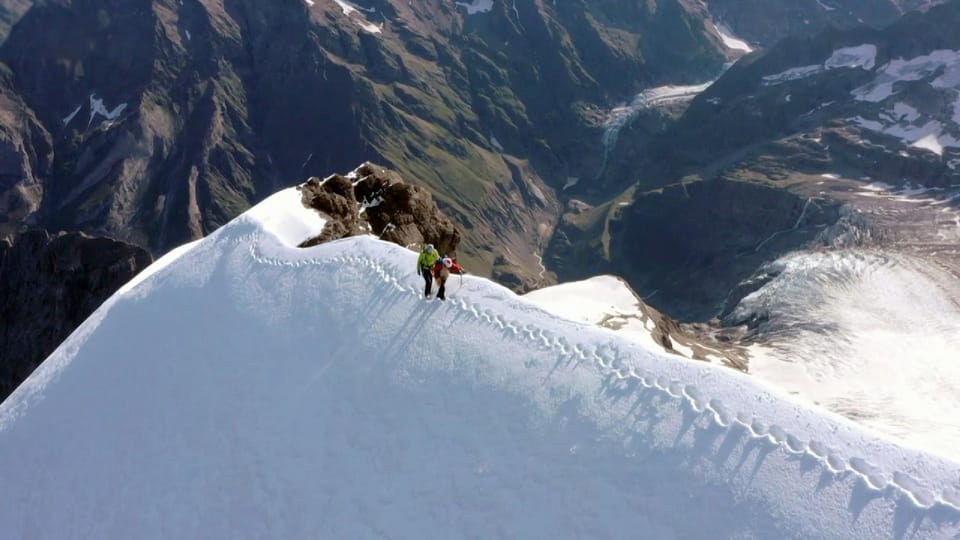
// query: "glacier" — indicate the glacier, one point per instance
point(245, 388)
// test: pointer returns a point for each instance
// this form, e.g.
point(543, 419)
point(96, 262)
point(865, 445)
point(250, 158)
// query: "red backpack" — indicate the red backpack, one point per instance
point(452, 266)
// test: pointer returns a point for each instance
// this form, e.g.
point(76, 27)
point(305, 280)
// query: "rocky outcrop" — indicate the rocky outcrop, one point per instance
point(375, 200)
point(48, 285)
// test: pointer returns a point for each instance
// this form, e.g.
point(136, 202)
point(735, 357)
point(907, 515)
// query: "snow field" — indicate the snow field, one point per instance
point(611, 364)
point(249, 388)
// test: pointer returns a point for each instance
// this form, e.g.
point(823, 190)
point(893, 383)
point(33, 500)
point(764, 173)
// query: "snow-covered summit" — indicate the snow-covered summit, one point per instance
point(246, 388)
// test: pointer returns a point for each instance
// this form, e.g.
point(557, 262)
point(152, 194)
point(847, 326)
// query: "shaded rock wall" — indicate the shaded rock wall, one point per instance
point(49, 284)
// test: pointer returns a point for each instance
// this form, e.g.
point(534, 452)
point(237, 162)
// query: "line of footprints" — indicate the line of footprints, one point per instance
point(720, 414)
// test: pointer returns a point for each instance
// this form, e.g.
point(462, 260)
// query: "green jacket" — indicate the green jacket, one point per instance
point(426, 260)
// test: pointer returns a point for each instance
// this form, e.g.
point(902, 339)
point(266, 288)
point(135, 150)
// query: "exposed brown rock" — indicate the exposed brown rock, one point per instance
point(26, 156)
point(373, 199)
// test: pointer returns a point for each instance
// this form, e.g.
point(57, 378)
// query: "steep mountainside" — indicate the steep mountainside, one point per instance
point(766, 22)
point(26, 158)
point(48, 286)
point(786, 150)
point(10, 13)
point(168, 118)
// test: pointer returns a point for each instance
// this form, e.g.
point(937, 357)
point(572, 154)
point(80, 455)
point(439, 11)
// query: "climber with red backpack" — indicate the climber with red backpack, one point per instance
point(441, 271)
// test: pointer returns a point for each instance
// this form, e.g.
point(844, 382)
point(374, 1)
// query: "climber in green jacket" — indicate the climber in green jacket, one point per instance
point(428, 257)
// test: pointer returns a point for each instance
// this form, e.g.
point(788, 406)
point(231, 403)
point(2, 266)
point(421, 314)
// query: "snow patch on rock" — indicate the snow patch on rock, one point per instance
point(97, 108)
point(859, 57)
point(792, 74)
point(622, 115)
point(355, 13)
point(914, 69)
point(71, 116)
point(929, 142)
point(729, 40)
point(477, 6)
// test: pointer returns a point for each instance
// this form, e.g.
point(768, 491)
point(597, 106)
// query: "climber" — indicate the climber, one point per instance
point(428, 256)
point(442, 270)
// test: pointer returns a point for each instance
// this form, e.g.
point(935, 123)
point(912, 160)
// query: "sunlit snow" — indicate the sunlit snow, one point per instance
point(869, 335)
point(72, 115)
point(372, 28)
point(862, 57)
point(929, 135)
point(729, 40)
point(914, 69)
point(651, 98)
point(347, 7)
point(825, 6)
point(929, 142)
point(477, 6)
point(350, 9)
point(793, 74)
point(97, 107)
point(600, 301)
point(250, 388)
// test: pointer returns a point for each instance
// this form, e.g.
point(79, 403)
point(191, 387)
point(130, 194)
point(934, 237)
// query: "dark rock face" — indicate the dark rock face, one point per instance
point(48, 285)
point(375, 200)
point(26, 157)
point(686, 246)
point(766, 22)
point(694, 243)
point(10, 13)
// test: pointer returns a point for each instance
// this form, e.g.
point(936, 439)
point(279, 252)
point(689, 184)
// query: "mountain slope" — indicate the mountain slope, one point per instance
point(768, 21)
point(10, 13)
point(780, 154)
point(243, 387)
point(170, 118)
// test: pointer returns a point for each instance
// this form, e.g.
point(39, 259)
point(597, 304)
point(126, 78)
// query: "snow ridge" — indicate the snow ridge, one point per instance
point(714, 409)
point(398, 416)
